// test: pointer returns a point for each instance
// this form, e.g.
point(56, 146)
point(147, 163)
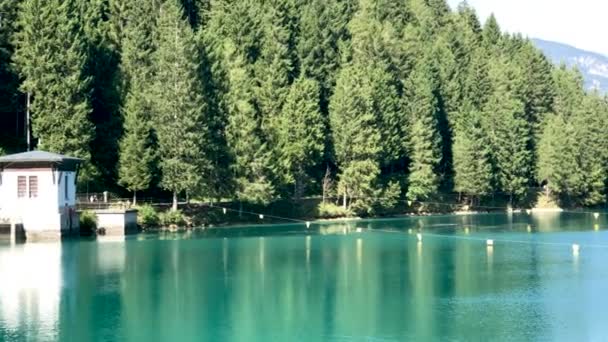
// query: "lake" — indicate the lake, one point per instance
point(361, 281)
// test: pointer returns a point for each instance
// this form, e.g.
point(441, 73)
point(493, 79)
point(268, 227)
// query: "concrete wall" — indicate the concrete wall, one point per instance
point(117, 222)
point(50, 211)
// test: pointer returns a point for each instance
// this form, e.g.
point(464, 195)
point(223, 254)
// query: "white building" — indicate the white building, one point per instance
point(38, 191)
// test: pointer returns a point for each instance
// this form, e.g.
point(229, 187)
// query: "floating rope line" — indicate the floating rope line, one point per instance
point(410, 203)
point(259, 215)
point(492, 242)
point(596, 214)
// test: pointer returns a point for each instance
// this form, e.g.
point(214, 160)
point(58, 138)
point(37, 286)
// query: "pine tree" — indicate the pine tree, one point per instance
point(102, 68)
point(233, 35)
point(557, 159)
point(492, 35)
point(11, 128)
point(136, 154)
point(275, 72)
point(472, 167)
point(376, 29)
point(51, 57)
point(196, 12)
point(509, 132)
point(569, 90)
point(538, 86)
point(302, 132)
point(137, 147)
point(356, 138)
point(425, 141)
point(252, 167)
point(179, 108)
point(591, 143)
point(322, 30)
point(217, 149)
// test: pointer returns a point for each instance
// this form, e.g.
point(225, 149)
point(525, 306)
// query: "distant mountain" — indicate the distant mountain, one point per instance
point(594, 66)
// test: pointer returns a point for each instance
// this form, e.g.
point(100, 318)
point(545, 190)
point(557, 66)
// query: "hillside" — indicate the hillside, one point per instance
point(594, 66)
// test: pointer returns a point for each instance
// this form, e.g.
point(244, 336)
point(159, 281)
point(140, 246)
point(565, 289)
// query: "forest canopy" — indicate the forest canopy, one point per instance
point(366, 101)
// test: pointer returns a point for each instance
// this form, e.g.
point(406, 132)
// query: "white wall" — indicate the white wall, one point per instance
point(42, 213)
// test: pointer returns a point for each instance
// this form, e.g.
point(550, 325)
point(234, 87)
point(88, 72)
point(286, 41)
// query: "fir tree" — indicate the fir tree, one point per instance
point(275, 71)
point(11, 102)
point(557, 159)
point(322, 30)
point(136, 154)
point(51, 57)
point(472, 167)
point(492, 35)
point(217, 149)
point(196, 12)
point(137, 150)
point(102, 67)
point(302, 132)
point(509, 132)
point(356, 138)
point(591, 143)
point(425, 140)
point(252, 166)
point(569, 90)
point(179, 108)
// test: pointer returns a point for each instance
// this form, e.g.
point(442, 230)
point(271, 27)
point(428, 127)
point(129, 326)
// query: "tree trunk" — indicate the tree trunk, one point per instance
point(345, 201)
point(326, 184)
point(134, 198)
point(174, 207)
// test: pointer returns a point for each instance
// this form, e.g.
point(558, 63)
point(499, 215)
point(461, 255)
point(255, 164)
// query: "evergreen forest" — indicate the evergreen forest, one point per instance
point(368, 103)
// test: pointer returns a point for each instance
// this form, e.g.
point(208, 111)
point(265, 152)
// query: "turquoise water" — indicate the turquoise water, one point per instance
point(330, 283)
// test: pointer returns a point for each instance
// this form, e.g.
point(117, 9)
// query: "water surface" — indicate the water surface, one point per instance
point(363, 281)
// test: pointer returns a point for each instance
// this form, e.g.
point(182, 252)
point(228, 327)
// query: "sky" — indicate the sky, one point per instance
point(580, 23)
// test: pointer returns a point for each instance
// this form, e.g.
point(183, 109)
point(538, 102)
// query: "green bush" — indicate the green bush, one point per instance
point(147, 216)
point(172, 218)
point(88, 222)
point(330, 210)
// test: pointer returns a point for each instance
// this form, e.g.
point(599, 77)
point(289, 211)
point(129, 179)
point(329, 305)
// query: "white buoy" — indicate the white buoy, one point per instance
point(490, 243)
point(359, 230)
point(419, 236)
point(576, 249)
point(224, 210)
point(261, 217)
point(307, 225)
point(596, 215)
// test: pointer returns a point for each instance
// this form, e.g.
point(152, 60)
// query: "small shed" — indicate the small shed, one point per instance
point(38, 191)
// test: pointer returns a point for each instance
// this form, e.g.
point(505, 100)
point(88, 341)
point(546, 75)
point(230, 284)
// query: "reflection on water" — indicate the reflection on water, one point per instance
point(380, 284)
point(30, 288)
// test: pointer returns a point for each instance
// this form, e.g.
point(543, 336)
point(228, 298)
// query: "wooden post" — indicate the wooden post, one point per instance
point(13, 237)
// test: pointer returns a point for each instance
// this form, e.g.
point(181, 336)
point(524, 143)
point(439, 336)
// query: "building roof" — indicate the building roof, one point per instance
point(39, 157)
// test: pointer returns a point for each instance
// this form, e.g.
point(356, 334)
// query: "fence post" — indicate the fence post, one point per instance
point(105, 197)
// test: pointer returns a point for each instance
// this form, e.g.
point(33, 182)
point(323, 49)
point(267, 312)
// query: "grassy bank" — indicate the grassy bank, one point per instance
point(201, 215)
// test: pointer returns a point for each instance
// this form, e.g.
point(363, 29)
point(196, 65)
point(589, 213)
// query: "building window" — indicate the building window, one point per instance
point(67, 194)
point(33, 180)
point(21, 186)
